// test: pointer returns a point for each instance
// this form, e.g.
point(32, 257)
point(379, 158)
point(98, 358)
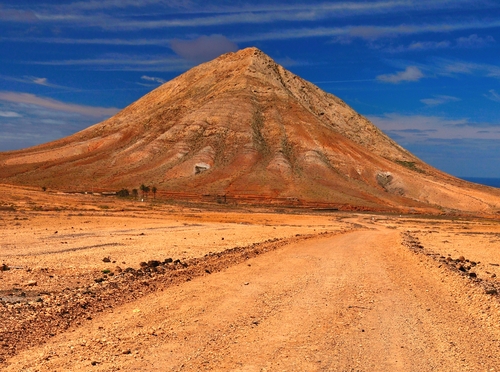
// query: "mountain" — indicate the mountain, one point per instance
point(242, 125)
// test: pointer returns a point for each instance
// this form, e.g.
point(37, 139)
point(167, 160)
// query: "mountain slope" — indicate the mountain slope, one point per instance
point(243, 125)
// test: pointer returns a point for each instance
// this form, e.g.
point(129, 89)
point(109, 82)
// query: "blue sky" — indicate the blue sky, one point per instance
point(426, 72)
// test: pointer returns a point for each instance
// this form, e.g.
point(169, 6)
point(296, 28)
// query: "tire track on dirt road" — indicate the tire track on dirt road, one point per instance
point(352, 302)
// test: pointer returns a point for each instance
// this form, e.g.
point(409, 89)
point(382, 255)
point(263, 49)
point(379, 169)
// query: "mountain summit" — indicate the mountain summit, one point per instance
point(242, 125)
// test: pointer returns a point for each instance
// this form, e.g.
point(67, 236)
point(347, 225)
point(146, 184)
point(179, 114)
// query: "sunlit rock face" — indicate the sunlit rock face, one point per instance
point(243, 125)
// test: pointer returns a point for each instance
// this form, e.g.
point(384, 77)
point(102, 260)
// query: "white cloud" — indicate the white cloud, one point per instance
point(152, 78)
point(124, 62)
point(493, 95)
point(418, 46)
point(411, 73)
point(439, 100)
point(15, 15)
point(474, 41)
point(41, 81)
point(418, 128)
point(9, 114)
point(52, 104)
point(449, 67)
point(369, 33)
point(203, 48)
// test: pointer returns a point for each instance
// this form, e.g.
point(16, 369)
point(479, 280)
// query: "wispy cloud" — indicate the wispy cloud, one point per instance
point(216, 14)
point(439, 100)
point(94, 41)
point(27, 120)
point(450, 67)
point(417, 128)
point(367, 32)
point(158, 14)
point(474, 41)
point(17, 15)
point(493, 95)
point(124, 62)
point(9, 114)
point(411, 73)
point(418, 46)
point(52, 104)
point(33, 80)
point(203, 48)
point(153, 79)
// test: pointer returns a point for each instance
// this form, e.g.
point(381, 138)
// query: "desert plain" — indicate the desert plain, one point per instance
point(95, 283)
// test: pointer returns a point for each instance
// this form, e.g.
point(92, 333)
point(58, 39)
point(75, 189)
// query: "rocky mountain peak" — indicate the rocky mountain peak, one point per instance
point(240, 125)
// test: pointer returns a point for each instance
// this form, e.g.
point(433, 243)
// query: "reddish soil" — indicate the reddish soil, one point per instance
point(247, 290)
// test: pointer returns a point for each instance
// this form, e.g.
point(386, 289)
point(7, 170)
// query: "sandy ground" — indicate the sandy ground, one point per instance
point(302, 292)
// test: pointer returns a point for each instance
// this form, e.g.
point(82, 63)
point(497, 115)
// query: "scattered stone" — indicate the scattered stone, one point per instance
point(99, 280)
point(118, 269)
point(168, 260)
point(4, 267)
point(154, 263)
point(491, 291)
point(126, 351)
point(473, 275)
point(106, 259)
point(461, 259)
point(143, 264)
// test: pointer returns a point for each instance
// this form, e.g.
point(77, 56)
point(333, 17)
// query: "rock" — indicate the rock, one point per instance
point(491, 291)
point(143, 264)
point(31, 283)
point(4, 267)
point(126, 351)
point(461, 268)
point(106, 259)
point(118, 269)
point(461, 259)
point(154, 263)
point(168, 260)
point(473, 275)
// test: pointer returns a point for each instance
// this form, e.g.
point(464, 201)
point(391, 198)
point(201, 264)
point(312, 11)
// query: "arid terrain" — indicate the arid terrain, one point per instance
point(87, 285)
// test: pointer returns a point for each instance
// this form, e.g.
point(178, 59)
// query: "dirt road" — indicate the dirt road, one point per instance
point(358, 301)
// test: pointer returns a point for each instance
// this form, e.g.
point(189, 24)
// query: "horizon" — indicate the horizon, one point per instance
point(426, 74)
